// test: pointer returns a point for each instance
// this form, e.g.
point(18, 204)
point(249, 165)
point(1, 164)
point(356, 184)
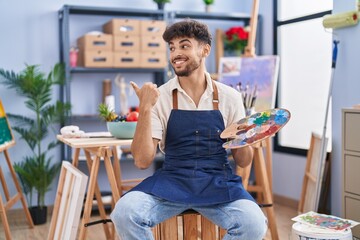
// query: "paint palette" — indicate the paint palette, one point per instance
point(255, 128)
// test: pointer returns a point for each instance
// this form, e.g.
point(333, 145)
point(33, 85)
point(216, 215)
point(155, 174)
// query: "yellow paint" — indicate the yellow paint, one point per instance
point(2, 111)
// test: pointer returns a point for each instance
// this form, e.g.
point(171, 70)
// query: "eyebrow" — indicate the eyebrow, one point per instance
point(181, 41)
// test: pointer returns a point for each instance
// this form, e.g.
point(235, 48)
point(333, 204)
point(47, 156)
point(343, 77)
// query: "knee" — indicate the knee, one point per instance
point(121, 213)
point(132, 209)
point(256, 227)
point(253, 226)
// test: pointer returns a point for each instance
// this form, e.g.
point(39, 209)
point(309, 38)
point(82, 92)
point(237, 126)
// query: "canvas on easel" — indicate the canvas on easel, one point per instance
point(6, 141)
point(6, 137)
point(255, 77)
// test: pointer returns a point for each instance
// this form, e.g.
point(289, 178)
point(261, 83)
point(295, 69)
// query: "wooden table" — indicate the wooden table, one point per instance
point(101, 148)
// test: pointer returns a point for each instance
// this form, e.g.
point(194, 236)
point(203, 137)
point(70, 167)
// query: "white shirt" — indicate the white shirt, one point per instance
point(230, 105)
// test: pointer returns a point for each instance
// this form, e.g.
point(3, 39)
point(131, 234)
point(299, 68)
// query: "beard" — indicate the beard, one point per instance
point(189, 68)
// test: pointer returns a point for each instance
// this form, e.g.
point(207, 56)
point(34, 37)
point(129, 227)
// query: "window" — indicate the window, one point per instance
point(305, 49)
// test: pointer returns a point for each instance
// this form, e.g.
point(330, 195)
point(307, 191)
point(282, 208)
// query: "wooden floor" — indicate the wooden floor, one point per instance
point(21, 231)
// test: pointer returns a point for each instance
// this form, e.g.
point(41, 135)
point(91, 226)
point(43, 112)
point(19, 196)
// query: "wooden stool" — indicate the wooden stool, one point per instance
point(189, 225)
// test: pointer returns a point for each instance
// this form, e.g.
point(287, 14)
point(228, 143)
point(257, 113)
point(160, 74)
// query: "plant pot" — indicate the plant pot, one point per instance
point(233, 53)
point(38, 215)
point(207, 8)
point(161, 6)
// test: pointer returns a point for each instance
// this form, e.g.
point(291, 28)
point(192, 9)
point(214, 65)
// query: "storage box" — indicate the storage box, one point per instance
point(152, 27)
point(90, 42)
point(127, 59)
point(153, 59)
point(119, 26)
point(153, 43)
point(126, 43)
point(96, 59)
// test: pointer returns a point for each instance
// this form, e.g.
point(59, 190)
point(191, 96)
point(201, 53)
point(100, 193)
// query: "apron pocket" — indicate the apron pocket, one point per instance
point(207, 142)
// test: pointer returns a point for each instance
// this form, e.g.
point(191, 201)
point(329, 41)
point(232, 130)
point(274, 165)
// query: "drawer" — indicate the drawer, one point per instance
point(153, 43)
point(351, 174)
point(352, 212)
point(352, 132)
point(153, 60)
point(127, 59)
point(152, 27)
point(119, 26)
point(126, 43)
point(96, 59)
point(99, 42)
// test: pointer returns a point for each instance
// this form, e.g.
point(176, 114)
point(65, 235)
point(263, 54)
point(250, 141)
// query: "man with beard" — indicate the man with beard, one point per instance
point(185, 116)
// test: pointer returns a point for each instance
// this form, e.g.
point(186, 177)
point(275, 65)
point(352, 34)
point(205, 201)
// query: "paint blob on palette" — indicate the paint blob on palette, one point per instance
point(255, 128)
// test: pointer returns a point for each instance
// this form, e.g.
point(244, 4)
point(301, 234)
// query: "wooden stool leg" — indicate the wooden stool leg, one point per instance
point(267, 196)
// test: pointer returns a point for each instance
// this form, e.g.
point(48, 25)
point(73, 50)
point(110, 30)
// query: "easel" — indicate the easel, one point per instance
point(10, 201)
point(262, 168)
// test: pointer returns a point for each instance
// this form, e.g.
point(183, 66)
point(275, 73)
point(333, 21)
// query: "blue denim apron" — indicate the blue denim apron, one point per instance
point(196, 169)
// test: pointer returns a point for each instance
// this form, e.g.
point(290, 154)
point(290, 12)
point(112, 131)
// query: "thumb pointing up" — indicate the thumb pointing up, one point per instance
point(135, 87)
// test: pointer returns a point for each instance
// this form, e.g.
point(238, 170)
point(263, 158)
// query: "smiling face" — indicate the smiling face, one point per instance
point(186, 55)
point(189, 43)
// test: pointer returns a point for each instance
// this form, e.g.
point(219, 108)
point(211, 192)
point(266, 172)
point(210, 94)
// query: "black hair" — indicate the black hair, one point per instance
point(188, 28)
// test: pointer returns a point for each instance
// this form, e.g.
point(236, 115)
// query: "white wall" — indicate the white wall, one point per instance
point(29, 35)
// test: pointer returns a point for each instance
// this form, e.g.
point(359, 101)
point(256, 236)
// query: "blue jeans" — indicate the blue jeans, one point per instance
point(137, 212)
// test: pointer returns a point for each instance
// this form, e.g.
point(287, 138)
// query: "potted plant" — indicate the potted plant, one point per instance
point(235, 40)
point(161, 3)
point(36, 172)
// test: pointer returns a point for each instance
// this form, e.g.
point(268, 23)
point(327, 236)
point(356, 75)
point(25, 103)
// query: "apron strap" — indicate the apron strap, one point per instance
point(215, 97)
point(175, 99)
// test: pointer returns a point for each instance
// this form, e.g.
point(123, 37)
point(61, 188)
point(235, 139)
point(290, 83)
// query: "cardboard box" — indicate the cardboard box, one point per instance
point(153, 43)
point(96, 59)
point(153, 60)
point(102, 42)
point(126, 43)
point(127, 59)
point(119, 26)
point(152, 27)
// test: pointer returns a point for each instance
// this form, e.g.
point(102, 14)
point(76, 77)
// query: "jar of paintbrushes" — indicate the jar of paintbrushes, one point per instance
point(249, 94)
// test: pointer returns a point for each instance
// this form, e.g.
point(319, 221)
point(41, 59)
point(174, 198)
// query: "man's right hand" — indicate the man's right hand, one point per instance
point(148, 94)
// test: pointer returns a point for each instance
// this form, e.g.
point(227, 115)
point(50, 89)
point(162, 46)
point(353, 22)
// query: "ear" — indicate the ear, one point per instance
point(206, 50)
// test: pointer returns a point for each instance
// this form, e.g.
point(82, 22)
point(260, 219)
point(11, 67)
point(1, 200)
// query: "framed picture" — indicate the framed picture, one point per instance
point(255, 77)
